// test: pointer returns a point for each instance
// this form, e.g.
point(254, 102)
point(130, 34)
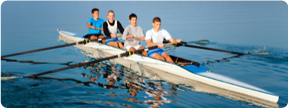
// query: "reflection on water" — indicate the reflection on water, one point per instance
point(153, 93)
point(130, 88)
point(106, 76)
point(143, 87)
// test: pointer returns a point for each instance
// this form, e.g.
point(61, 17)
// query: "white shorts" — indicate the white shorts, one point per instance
point(135, 47)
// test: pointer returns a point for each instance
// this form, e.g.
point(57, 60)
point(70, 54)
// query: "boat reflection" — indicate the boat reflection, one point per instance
point(151, 84)
point(159, 88)
point(132, 82)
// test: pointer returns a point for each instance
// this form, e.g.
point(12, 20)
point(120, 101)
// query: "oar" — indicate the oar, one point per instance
point(99, 29)
point(48, 48)
point(127, 53)
point(212, 49)
point(197, 42)
point(139, 38)
point(33, 62)
point(200, 41)
point(102, 30)
point(120, 35)
point(58, 46)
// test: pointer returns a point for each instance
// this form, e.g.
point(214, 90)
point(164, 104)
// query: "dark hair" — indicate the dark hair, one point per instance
point(94, 9)
point(156, 19)
point(132, 15)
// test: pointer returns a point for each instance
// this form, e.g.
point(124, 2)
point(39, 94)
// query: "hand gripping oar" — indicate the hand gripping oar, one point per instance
point(138, 38)
point(127, 53)
point(99, 29)
point(212, 49)
point(58, 46)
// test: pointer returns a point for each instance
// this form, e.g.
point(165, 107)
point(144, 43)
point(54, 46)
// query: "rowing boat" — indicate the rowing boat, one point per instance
point(185, 68)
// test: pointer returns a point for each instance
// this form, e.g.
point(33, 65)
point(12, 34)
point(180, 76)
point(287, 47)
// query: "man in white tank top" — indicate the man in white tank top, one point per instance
point(155, 37)
point(110, 28)
point(132, 31)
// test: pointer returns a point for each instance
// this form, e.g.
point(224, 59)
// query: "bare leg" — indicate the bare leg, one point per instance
point(131, 49)
point(114, 44)
point(158, 56)
point(120, 45)
point(117, 44)
point(95, 37)
point(145, 53)
point(92, 37)
point(100, 36)
point(167, 57)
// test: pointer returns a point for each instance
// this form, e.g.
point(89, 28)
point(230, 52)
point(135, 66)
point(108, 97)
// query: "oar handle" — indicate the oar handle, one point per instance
point(120, 35)
point(167, 44)
point(139, 38)
point(99, 29)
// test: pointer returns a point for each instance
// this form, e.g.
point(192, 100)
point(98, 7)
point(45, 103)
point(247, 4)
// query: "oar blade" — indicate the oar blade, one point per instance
point(9, 76)
point(260, 53)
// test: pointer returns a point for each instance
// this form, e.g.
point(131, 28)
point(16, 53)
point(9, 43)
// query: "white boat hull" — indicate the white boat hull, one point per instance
point(148, 65)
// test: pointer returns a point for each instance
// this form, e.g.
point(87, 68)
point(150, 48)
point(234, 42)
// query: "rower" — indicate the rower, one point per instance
point(132, 31)
point(110, 28)
point(92, 24)
point(155, 37)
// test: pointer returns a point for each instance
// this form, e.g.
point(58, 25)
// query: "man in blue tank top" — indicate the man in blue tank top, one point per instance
point(93, 25)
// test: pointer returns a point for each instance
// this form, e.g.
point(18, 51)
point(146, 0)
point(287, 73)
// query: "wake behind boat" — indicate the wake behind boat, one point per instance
point(184, 68)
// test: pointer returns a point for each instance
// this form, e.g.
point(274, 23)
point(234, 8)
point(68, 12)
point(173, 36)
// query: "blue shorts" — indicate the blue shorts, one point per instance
point(112, 39)
point(159, 51)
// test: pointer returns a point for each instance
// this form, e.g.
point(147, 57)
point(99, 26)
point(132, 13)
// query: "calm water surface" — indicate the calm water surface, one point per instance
point(235, 26)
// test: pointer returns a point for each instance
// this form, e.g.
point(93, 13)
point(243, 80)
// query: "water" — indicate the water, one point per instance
point(235, 26)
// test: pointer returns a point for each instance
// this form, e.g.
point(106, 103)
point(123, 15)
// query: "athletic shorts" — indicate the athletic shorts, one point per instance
point(89, 35)
point(159, 51)
point(135, 47)
point(112, 39)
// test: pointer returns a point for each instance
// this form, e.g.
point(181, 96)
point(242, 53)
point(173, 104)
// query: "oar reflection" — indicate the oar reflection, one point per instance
point(226, 59)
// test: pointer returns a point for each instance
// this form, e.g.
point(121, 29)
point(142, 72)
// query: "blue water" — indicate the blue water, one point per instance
point(243, 26)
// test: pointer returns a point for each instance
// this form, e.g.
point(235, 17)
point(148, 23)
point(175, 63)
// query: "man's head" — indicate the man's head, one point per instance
point(110, 15)
point(157, 23)
point(133, 19)
point(95, 12)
